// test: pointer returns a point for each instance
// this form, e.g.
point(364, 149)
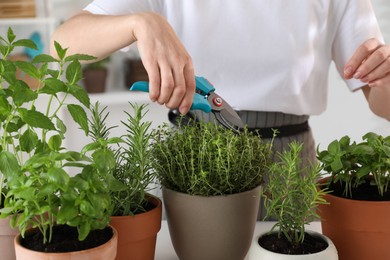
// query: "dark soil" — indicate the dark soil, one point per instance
point(65, 239)
point(364, 191)
point(311, 244)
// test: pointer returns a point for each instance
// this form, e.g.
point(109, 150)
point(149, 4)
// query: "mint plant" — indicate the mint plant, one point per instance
point(132, 173)
point(37, 190)
point(207, 159)
point(352, 164)
point(292, 194)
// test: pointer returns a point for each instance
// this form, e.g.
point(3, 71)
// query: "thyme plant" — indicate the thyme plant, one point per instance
point(292, 194)
point(207, 159)
point(132, 172)
point(352, 164)
point(37, 190)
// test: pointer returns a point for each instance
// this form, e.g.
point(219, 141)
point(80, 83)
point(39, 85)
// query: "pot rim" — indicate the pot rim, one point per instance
point(112, 240)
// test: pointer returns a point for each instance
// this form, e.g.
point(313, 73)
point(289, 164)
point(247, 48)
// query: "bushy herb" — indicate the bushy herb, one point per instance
point(353, 164)
point(132, 172)
point(206, 159)
point(292, 193)
point(33, 162)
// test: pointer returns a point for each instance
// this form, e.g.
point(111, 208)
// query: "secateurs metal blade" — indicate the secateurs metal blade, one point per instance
point(207, 100)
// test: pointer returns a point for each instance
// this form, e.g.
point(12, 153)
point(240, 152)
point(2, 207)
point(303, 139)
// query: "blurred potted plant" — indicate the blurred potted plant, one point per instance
point(95, 75)
point(136, 214)
point(40, 198)
point(211, 179)
point(357, 218)
point(292, 195)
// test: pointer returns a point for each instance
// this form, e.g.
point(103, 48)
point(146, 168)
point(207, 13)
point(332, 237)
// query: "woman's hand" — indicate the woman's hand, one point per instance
point(169, 66)
point(371, 64)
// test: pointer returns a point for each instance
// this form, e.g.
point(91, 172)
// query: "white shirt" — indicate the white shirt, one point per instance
point(264, 55)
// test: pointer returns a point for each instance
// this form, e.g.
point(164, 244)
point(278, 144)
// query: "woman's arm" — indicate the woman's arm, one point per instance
point(168, 64)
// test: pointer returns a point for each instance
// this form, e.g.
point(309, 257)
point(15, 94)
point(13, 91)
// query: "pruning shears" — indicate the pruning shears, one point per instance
point(207, 100)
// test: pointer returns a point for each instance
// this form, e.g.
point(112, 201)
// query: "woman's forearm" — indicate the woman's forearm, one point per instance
point(378, 100)
point(96, 35)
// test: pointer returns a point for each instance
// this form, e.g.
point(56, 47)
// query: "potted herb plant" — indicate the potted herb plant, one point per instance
point(136, 213)
point(211, 179)
point(95, 75)
point(357, 218)
point(41, 199)
point(292, 195)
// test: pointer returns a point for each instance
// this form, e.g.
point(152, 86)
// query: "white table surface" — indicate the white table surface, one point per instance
point(165, 251)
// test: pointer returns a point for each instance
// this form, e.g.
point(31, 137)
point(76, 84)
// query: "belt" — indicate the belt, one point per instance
point(282, 131)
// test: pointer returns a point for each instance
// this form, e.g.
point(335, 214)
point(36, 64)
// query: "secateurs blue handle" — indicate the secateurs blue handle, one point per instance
point(200, 102)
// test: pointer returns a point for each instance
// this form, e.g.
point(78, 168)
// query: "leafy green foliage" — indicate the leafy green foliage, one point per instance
point(352, 163)
point(206, 159)
point(292, 193)
point(37, 190)
point(133, 171)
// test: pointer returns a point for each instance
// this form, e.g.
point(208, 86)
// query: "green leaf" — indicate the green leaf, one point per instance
point(84, 229)
point(87, 208)
point(74, 72)
point(46, 190)
point(60, 126)
point(53, 86)
point(28, 68)
point(90, 147)
point(55, 142)
point(10, 35)
point(44, 58)
point(59, 177)
point(67, 212)
point(115, 140)
point(9, 165)
point(80, 94)
point(28, 141)
point(23, 93)
point(104, 159)
point(79, 116)
point(36, 119)
point(9, 73)
point(26, 43)
point(54, 73)
point(334, 147)
point(5, 107)
point(363, 172)
point(60, 51)
point(79, 57)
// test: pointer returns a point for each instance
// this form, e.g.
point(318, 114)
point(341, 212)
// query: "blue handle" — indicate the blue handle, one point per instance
point(199, 102)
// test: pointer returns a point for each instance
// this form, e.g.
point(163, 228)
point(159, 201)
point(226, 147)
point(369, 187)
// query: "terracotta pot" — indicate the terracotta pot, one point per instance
point(209, 228)
point(359, 229)
point(137, 234)
point(7, 236)
point(257, 252)
point(106, 251)
point(95, 80)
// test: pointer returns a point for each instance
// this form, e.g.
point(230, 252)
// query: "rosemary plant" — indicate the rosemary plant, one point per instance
point(133, 173)
point(292, 194)
point(206, 159)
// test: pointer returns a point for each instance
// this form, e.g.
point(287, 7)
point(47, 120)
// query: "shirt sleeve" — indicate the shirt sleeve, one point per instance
point(357, 24)
point(121, 7)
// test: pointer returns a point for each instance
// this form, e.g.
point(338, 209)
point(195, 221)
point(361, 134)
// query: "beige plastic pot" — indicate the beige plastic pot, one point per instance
point(256, 252)
point(211, 228)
